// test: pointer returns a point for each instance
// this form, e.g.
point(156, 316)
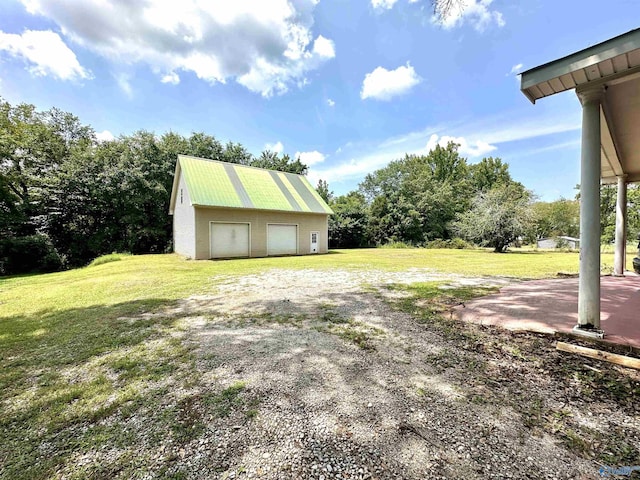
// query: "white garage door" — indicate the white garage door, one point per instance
point(282, 239)
point(229, 240)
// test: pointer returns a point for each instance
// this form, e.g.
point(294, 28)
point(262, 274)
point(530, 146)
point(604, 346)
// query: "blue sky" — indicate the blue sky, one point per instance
point(348, 85)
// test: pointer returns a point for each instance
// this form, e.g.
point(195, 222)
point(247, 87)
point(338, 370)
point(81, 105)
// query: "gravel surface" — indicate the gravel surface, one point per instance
point(403, 403)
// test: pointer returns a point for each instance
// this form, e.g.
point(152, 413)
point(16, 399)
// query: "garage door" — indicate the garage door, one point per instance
point(282, 239)
point(229, 240)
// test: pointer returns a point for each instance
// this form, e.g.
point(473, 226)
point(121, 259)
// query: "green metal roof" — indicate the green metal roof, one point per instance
point(221, 184)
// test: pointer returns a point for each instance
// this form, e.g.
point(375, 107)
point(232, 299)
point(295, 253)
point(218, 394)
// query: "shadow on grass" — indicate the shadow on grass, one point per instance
point(63, 371)
point(5, 278)
point(51, 338)
point(531, 252)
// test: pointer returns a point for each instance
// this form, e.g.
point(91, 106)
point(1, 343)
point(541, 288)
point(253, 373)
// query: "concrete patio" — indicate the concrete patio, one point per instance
point(549, 306)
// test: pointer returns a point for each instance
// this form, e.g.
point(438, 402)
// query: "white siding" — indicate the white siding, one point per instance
point(184, 220)
point(567, 242)
point(547, 243)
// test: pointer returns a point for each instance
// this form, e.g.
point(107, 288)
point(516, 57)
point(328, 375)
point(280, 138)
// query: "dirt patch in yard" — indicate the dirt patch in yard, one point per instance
point(343, 377)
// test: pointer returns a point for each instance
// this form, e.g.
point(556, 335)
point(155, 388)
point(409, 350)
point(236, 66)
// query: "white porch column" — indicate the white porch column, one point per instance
point(589, 289)
point(620, 258)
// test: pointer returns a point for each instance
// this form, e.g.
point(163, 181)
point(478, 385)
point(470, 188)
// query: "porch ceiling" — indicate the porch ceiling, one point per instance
point(614, 65)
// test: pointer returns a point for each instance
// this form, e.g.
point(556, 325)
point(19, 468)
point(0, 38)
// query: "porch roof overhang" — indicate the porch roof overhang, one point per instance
point(615, 66)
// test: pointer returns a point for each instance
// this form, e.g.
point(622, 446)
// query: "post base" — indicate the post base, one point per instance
point(588, 331)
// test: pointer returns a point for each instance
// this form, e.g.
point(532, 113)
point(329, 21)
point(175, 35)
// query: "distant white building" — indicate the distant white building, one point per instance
point(559, 242)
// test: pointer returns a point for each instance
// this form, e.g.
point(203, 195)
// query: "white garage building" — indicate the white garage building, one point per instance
point(226, 210)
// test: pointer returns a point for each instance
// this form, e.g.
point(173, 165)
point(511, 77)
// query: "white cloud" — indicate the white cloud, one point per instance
point(355, 167)
point(275, 147)
point(529, 129)
point(475, 12)
point(476, 148)
point(105, 136)
point(383, 4)
point(124, 82)
point(516, 69)
point(330, 102)
point(324, 47)
point(313, 177)
point(171, 77)
point(571, 144)
point(383, 84)
point(45, 53)
point(267, 46)
point(480, 138)
point(310, 158)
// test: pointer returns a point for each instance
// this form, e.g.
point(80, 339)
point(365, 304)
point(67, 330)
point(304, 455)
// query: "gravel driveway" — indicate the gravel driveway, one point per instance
point(338, 384)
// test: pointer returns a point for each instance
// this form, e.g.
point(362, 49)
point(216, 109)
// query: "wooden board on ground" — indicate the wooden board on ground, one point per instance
point(623, 360)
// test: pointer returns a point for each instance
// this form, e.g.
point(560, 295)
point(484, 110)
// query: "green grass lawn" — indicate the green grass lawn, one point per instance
point(138, 283)
point(168, 277)
point(75, 347)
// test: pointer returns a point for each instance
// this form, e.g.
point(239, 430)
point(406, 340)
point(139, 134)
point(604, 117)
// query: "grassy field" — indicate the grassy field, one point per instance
point(144, 281)
point(78, 347)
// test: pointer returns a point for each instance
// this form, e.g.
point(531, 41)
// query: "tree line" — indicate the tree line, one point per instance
point(66, 198)
point(434, 197)
point(441, 200)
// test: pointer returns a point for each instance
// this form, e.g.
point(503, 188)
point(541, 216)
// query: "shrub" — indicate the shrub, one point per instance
point(31, 254)
point(395, 244)
point(112, 257)
point(561, 243)
point(453, 243)
point(437, 243)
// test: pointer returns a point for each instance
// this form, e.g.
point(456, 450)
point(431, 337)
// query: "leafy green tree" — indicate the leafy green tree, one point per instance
point(115, 196)
point(633, 212)
point(273, 161)
point(394, 220)
point(552, 219)
point(323, 190)
point(84, 200)
point(12, 211)
point(497, 216)
point(447, 165)
point(348, 225)
point(33, 146)
point(608, 200)
point(236, 153)
point(414, 199)
point(487, 173)
point(205, 146)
